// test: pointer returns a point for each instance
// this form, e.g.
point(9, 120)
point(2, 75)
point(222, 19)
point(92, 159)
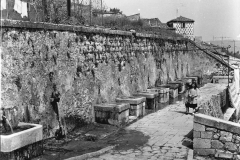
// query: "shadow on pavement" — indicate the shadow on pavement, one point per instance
point(128, 139)
point(188, 140)
point(182, 112)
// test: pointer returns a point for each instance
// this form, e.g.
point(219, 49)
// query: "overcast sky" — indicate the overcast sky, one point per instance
point(212, 17)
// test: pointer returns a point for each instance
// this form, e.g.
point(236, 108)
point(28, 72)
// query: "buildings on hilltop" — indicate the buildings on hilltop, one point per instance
point(183, 26)
point(155, 23)
point(134, 17)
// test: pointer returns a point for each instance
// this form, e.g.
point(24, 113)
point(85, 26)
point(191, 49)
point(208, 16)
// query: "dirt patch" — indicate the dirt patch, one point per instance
point(85, 139)
point(128, 139)
point(92, 138)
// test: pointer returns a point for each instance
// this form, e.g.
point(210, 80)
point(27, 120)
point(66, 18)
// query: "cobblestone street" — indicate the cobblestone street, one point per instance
point(168, 130)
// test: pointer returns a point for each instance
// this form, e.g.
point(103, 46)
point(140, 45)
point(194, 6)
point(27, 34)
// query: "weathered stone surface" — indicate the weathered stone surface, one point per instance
point(83, 77)
point(198, 127)
point(225, 136)
point(217, 123)
point(238, 138)
point(211, 129)
point(230, 146)
point(237, 157)
point(201, 143)
point(113, 113)
point(216, 144)
point(234, 136)
point(131, 100)
point(112, 107)
point(222, 154)
point(204, 152)
point(216, 136)
point(196, 134)
point(206, 135)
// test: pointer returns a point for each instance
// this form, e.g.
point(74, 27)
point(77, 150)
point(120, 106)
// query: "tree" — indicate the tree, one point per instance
point(115, 10)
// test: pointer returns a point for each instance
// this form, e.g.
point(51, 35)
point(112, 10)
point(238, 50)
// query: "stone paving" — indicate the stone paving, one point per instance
point(167, 130)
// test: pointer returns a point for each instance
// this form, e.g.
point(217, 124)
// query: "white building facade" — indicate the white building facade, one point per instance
point(183, 26)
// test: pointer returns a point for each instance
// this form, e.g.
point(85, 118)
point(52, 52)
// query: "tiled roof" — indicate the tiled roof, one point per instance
point(181, 19)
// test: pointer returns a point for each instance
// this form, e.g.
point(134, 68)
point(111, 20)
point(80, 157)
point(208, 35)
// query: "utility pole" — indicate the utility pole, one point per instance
point(102, 11)
point(234, 48)
point(45, 10)
point(220, 38)
point(90, 12)
point(69, 8)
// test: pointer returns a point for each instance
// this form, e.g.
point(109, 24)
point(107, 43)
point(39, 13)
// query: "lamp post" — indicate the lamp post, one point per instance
point(228, 64)
point(227, 95)
point(234, 48)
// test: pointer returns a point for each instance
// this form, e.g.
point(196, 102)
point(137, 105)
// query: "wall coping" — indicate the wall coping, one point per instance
point(217, 123)
point(60, 27)
point(75, 28)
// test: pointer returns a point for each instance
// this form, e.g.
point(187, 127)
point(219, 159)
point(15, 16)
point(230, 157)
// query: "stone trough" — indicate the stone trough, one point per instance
point(152, 98)
point(21, 140)
point(112, 113)
point(163, 93)
point(222, 79)
point(181, 86)
point(137, 104)
point(191, 78)
point(173, 89)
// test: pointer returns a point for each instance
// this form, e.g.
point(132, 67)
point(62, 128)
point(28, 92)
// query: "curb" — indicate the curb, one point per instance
point(190, 154)
point(92, 154)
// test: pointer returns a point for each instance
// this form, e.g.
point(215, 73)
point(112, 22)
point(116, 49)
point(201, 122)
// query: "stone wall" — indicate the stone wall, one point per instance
point(213, 100)
point(216, 138)
point(88, 65)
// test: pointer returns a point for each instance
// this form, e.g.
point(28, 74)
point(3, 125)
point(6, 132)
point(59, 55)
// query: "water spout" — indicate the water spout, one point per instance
point(9, 125)
point(5, 121)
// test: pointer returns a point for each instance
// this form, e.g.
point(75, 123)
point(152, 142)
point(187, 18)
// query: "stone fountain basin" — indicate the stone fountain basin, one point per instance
point(131, 99)
point(20, 139)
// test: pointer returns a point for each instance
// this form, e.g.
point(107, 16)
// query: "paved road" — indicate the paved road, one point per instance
point(167, 129)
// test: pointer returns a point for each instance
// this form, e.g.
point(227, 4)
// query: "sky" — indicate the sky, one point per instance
point(218, 18)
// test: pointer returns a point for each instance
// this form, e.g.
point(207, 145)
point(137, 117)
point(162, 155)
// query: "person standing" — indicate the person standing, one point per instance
point(55, 98)
point(191, 98)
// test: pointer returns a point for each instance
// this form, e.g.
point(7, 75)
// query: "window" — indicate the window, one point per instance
point(182, 25)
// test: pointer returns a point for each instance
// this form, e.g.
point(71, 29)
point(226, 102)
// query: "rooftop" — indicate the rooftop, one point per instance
point(181, 19)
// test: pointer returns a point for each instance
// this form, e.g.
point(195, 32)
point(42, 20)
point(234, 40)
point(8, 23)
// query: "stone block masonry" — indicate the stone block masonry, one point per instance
point(216, 137)
point(88, 65)
point(213, 100)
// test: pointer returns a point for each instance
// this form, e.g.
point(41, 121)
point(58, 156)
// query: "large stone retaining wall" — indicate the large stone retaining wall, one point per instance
point(88, 65)
point(215, 137)
point(213, 100)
